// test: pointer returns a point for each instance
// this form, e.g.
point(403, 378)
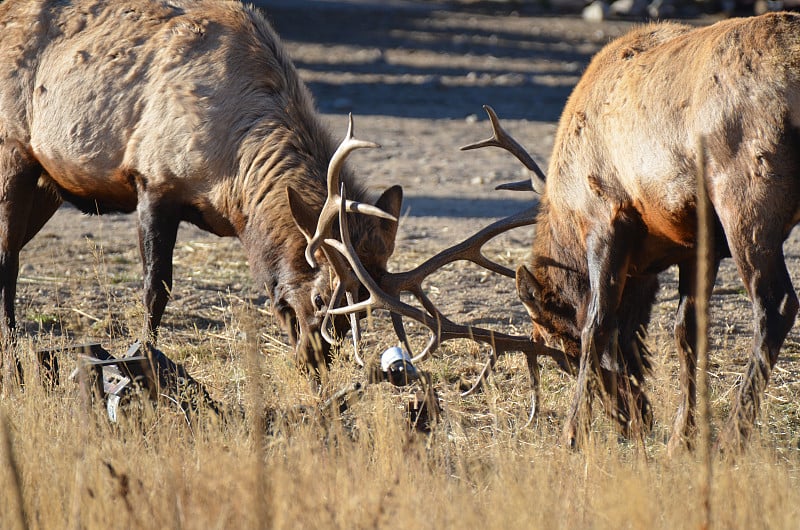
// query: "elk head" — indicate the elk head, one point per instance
point(324, 277)
point(552, 292)
point(384, 288)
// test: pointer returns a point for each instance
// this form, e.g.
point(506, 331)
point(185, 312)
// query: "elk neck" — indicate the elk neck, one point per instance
point(286, 155)
point(559, 256)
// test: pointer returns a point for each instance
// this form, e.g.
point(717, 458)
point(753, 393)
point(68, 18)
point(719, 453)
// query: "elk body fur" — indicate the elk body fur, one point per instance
point(187, 110)
point(620, 201)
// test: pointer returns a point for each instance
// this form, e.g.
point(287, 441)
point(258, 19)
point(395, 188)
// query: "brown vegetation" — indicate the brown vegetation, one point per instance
point(480, 468)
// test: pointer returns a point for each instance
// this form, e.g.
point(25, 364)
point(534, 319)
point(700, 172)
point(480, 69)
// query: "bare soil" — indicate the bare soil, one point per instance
point(414, 75)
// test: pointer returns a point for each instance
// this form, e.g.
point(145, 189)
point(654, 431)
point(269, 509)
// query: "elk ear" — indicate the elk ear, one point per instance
point(391, 201)
point(527, 289)
point(302, 213)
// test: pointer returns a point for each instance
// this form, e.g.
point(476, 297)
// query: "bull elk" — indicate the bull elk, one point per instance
point(619, 206)
point(180, 110)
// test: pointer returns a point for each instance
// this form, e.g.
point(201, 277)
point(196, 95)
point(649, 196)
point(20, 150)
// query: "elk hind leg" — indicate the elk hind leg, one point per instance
point(19, 222)
point(775, 306)
point(757, 248)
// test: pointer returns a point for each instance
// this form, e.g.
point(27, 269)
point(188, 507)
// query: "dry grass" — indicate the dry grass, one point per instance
point(478, 469)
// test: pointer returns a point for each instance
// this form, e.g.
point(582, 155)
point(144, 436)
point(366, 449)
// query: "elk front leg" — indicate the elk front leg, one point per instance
point(19, 222)
point(685, 332)
point(630, 407)
point(18, 177)
point(608, 262)
point(158, 229)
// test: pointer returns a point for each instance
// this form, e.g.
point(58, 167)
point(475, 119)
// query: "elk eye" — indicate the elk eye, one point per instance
point(319, 303)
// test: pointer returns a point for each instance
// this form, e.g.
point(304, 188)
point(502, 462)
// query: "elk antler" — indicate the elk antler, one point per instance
point(500, 138)
point(386, 295)
point(348, 284)
point(332, 204)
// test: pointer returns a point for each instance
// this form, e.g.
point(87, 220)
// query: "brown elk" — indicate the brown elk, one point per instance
point(619, 205)
point(187, 110)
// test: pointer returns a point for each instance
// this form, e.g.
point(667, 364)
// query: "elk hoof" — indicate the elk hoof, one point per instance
point(678, 444)
point(732, 440)
point(571, 437)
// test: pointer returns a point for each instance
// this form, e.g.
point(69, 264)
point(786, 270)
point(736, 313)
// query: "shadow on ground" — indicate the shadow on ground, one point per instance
point(387, 73)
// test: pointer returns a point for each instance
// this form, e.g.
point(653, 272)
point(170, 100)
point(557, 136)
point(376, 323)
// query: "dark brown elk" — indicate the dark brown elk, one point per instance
point(619, 205)
point(180, 110)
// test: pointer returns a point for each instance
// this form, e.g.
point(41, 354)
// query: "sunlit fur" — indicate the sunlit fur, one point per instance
point(620, 198)
point(187, 110)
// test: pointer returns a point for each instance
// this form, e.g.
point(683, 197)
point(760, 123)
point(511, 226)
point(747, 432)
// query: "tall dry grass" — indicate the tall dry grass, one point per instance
point(478, 469)
point(65, 466)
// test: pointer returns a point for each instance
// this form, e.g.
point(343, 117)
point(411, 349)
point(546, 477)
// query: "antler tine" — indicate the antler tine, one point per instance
point(355, 329)
point(331, 207)
point(500, 138)
point(336, 297)
point(470, 250)
point(487, 369)
point(349, 144)
point(520, 185)
point(378, 297)
point(400, 331)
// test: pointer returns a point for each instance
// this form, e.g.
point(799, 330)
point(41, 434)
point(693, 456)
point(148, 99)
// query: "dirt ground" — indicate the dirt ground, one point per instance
point(414, 75)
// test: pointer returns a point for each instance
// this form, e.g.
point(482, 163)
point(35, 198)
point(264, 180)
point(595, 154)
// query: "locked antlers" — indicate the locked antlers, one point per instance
point(385, 292)
point(348, 285)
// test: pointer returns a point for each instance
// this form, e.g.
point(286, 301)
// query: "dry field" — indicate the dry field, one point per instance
point(414, 75)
